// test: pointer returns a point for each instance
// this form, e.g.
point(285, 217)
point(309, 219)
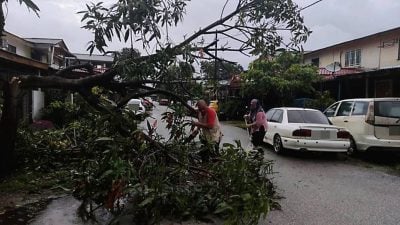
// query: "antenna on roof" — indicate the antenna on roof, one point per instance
point(334, 67)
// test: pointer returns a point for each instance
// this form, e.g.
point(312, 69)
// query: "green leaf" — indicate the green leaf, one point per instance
point(126, 36)
point(31, 6)
point(246, 197)
point(223, 207)
point(105, 174)
point(147, 201)
point(104, 139)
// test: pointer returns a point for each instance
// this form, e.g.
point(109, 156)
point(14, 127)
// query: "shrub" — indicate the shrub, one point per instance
point(60, 113)
point(233, 109)
point(321, 102)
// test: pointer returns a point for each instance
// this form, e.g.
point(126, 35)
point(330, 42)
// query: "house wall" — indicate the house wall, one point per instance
point(377, 52)
point(378, 74)
point(33, 102)
point(390, 51)
point(23, 48)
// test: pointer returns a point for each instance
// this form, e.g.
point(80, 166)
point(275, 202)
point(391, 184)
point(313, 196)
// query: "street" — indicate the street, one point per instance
point(324, 188)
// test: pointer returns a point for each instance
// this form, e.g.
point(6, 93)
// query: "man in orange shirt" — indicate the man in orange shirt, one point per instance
point(208, 124)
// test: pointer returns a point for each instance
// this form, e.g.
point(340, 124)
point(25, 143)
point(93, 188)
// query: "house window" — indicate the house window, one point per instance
point(12, 48)
point(315, 62)
point(4, 44)
point(353, 58)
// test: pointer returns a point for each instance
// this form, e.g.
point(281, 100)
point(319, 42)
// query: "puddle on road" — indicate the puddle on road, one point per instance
point(60, 211)
point(63, 211)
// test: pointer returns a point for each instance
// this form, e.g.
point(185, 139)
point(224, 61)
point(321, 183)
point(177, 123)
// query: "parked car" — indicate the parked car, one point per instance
point(136, 106)
point(374, 123)
point(304, 129)
point(164, 101)
point(147, 103)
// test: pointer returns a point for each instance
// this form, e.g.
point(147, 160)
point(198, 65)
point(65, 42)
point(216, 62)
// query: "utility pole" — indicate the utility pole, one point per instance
point(216, 66)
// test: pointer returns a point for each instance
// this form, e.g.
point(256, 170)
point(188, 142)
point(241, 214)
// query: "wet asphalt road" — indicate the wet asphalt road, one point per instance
point(322, 189)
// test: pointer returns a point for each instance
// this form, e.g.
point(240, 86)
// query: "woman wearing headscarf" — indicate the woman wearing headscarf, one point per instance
point(257, 122)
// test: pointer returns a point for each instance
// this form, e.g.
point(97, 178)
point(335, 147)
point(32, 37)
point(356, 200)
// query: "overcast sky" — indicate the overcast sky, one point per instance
point(332, 21)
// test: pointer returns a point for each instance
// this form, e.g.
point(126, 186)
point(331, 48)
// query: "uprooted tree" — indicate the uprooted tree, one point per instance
point(250, 27)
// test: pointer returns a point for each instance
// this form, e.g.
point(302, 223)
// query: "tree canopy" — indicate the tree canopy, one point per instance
point(277, 80)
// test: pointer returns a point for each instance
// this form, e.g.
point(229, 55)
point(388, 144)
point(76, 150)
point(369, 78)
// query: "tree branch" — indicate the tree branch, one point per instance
point(65, 83)
point(212, 25)
point(175, 160)
point(87, 66)
point(219, 59)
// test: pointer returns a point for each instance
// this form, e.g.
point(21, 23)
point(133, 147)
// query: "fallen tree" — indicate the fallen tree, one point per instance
point(251, 27)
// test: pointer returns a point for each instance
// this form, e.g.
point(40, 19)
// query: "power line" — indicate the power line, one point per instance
point(310, 5)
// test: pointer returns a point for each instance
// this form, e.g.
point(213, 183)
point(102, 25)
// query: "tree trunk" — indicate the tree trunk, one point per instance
point(8, 127)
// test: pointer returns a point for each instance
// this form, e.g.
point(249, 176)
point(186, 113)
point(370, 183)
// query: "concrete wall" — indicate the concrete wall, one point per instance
point(37, 104)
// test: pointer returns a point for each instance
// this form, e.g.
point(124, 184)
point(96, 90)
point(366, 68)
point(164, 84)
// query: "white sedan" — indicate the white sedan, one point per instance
point(305, 130)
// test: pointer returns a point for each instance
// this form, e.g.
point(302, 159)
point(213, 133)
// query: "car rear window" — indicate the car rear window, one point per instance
point(307, 116)
point(387, 109)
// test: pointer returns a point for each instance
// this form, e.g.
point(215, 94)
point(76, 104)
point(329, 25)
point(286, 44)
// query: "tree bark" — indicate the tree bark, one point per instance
point(8, 127)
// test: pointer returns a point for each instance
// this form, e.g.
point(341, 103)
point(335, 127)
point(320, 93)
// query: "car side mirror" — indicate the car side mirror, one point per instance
point(329, 113)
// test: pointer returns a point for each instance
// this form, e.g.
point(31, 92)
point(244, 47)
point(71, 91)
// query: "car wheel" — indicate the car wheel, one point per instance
point(278, 147)
point(352, 150)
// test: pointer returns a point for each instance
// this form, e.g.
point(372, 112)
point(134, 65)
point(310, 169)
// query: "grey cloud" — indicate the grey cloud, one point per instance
point(332, 21)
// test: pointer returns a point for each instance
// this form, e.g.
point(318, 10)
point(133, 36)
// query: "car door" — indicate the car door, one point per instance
point(356, 121)
point(275, 127)
point(267, 137)
point(331, 110)
point(342, 115)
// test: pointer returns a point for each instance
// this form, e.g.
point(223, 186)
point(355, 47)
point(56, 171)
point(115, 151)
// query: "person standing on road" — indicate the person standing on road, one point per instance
point(257, 122)
point(207, 124)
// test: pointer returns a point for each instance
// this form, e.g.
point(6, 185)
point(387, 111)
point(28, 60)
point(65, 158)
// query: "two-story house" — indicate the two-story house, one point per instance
point(363, 67)
point(52, 51)
point(31, 56)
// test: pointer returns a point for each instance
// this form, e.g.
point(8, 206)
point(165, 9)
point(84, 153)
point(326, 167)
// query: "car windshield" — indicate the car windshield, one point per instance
point(307, 116)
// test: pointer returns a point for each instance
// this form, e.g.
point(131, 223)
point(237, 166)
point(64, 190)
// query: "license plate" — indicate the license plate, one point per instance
point(325, 134)
point(394, 130)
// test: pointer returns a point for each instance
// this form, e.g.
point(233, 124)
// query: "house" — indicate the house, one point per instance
point(99, 62)
point(31, 56)
point(365, 67)
point(51, 51)
point(224, 89)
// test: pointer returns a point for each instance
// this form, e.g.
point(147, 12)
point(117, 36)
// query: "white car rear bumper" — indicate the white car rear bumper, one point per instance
point(371, 141)
point(316, 145)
